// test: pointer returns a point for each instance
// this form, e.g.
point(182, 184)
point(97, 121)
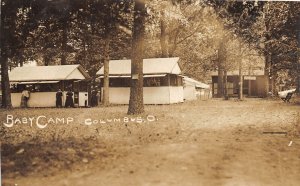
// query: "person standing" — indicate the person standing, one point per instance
point(98, 98)
point(94, 98)
point(69, 99)
point(24, 98)
point(59, 95)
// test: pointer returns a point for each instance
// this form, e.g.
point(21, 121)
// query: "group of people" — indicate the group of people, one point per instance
point(69, 100)
point(59, 98)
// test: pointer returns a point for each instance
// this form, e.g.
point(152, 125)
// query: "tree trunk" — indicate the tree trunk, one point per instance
point(220, 90)
point(225, 86)
point(272, 76)
point(106, 73)
point(298, 59)
point(46, 60)
point(221, 69)
point(163, 36)
point(268, 58)
point(241, 97)
point(275, 84)
point(136, 102)
point(65, 27)
point(6, 96)
point(172, 43)
point(21, 61)
point(267, 73)
point(240, 75)
point(64, 46)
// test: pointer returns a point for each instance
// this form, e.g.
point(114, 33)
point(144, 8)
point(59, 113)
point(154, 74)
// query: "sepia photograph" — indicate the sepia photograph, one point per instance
point(150, 92)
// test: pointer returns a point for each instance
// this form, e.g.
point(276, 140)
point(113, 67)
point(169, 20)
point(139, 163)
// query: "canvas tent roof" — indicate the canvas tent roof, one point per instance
point(150, 66)
point(195, 83)
point(48, 73)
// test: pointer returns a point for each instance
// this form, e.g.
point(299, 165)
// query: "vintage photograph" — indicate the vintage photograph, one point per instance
point(150, 92)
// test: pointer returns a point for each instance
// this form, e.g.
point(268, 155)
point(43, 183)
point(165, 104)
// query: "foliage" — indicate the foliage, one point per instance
point(76, 31)
point(269, 27)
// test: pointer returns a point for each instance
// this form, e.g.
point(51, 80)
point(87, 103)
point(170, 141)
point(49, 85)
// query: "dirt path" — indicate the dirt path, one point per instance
point(200, 143)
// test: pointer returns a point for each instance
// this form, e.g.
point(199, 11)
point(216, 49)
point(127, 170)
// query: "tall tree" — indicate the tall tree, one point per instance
point(223, 67)
point(298, 57)
point(15, 27)
point(7, 39)
point(136, 101)
point(65, 19)
point(270, 27)
point(177, 21)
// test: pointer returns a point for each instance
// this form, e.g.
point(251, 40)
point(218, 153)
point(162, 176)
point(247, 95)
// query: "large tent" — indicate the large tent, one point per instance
point(44, 81)
point(162, 81)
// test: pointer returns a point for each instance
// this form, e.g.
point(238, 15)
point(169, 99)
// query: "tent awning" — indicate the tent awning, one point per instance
point(155, 75)
point(128, 76)
point(34, 82)
point(118, 76)
point(204, 86)
point(197, 84)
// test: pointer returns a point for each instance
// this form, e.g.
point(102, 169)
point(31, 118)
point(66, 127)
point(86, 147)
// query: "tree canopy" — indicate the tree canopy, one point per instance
point(90, 32)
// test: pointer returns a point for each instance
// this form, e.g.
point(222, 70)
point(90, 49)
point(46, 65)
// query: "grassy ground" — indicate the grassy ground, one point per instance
point(214, 142)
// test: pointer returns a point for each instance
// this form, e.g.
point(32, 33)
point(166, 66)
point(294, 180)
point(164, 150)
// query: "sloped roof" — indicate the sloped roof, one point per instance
point(256, 72)
point(150, 66)
point(46, 73)
point(194, 82)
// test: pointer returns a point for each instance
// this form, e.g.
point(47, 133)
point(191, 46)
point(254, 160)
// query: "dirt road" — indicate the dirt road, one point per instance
point(215, 142)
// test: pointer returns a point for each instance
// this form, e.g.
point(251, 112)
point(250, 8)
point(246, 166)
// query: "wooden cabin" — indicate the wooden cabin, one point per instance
point(254, 83)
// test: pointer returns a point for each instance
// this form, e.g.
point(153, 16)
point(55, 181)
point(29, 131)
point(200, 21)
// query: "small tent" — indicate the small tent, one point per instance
point(194, 89)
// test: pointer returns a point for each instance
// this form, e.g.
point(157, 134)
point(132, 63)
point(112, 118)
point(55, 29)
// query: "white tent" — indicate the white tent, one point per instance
point(193, 88)
point(150, 66)
point(47, 73)
point(46, 80)
point(162, 83)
